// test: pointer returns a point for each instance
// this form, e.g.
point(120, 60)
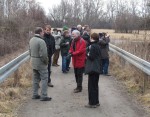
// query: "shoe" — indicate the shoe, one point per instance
point(77, 90)
point(50, 84)
point(98, 104)
point(90, 106)
point(64, 72)
point(106, 74)
point(46, 99)
point(36, 97)
point(57, 65)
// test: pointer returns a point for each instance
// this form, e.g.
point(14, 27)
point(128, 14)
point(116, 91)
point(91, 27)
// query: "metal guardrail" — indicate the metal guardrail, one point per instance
point(136, 61)
point(12, 66)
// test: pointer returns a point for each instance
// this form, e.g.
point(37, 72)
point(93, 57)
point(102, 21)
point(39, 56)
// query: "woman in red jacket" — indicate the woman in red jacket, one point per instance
point(78, 53)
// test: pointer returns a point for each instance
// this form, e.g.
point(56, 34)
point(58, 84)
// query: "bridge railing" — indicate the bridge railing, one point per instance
point(136, 61)
point(13, 65)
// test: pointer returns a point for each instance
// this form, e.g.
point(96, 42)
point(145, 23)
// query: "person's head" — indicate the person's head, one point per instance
point(86, 27)
point(47, 29)
point(65, 28)
point(66, 33)
point(94, 37)
point(101, 35)
point(39, 31)
point(79, 27)
point(73, 28)
point(75, 34)
point(59, 32)
point(55, 31)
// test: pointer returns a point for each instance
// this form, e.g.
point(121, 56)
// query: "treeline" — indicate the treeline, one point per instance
point(121, 15)
point(17, 19)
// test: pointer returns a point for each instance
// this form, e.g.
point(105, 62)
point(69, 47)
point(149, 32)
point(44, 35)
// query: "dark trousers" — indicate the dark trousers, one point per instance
point(93, 89)
point(65, 63)
point(105, 64)
point(79, 77)
point(49, 70)
point(56, 56)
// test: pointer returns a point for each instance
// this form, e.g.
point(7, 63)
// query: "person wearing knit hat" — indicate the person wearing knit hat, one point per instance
point(65, 28)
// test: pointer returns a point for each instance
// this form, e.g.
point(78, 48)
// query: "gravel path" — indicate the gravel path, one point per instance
point(115, 101)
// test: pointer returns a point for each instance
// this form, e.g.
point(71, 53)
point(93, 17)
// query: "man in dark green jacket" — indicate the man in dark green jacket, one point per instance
point(64, 47)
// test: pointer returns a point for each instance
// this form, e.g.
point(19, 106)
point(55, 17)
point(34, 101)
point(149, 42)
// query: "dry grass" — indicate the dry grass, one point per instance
point(125, 36)
point(13, 92)
point(8, 57)
point(132, 78)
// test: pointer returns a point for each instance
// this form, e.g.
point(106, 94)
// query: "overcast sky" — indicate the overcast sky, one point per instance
point(46, 4)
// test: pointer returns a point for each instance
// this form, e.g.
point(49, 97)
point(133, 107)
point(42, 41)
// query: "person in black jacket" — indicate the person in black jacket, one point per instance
point(86, 37)
point(50, 43)
point(92, 68)
point(104, 45)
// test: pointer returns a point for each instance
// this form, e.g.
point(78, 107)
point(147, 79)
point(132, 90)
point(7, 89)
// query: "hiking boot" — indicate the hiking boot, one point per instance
point(90, 106)
point(46, 99)
point(36, 97)
point(77, 90)
point(50, 84)
point(98, 104)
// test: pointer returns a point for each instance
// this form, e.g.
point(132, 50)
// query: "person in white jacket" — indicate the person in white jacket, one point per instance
point(57, 37)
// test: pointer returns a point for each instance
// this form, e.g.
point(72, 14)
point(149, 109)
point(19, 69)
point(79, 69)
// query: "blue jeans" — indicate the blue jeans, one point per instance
point(65, 63)
point(105, 64)
point(49, 70)
point(68, 63)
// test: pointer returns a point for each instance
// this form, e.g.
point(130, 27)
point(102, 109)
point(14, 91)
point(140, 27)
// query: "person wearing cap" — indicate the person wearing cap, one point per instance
point(57, 37)
point(64, 47)
point(104, 45)
point(65, 28)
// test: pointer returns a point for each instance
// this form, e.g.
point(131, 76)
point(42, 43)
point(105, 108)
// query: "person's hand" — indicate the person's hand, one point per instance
point(69, 56)
point(67, 43)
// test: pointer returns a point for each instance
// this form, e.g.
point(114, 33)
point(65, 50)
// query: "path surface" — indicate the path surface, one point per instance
point(114, 101)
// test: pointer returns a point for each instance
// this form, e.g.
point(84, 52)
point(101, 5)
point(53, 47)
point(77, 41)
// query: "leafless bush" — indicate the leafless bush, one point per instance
point(18, 19)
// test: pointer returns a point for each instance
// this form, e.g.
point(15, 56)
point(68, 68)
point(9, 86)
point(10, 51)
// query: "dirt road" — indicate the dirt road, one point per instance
point(114, 101)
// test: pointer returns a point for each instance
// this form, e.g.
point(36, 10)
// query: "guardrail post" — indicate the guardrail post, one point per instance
point(16, 78)
point(145, 83)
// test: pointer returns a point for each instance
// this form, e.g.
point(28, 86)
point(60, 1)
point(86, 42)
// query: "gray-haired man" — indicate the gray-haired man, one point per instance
point(39, 59)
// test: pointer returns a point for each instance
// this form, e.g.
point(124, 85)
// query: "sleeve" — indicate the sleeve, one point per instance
point(81, 49)
point(103, 42)
point(62, 43)
point(43, 52)
point(54, 45)
point(71, 47)
point(91, 54)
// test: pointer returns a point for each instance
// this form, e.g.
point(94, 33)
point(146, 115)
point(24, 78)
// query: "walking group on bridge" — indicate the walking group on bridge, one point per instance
point(89, 53)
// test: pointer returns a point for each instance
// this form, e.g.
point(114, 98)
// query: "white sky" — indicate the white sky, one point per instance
point(47, 4)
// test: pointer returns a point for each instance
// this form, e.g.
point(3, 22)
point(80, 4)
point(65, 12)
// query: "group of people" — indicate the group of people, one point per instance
point(89, 53)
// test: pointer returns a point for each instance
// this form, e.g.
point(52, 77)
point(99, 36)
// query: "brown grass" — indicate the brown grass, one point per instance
point(113, 35)
point(132, 78)
point(11, 95)
point(8, 57)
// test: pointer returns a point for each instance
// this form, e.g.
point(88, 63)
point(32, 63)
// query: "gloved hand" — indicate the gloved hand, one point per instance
point(69, 56)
